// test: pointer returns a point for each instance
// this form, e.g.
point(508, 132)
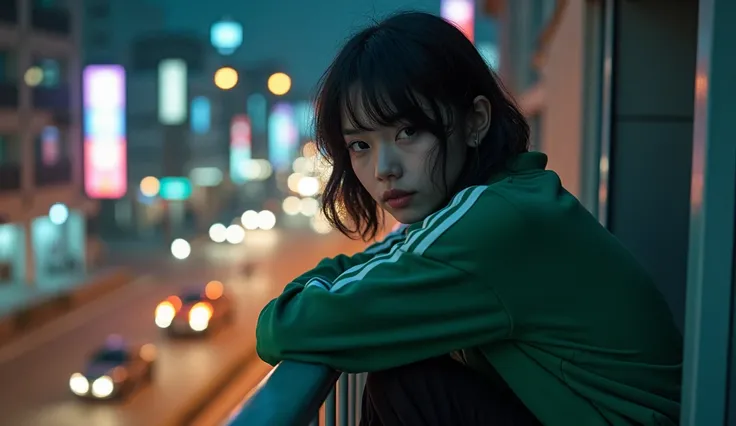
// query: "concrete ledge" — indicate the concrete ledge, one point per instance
point(48, 308)
point(205, 395)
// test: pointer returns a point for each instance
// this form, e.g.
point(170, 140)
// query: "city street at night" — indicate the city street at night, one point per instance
point(36, 368)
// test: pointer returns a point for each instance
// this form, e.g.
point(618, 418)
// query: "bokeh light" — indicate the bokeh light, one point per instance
point(150, 186)
point(279, 83)
point(180, 248)
point(218, 233)
point(58, 214)
point(226, 78)
point(235, 234)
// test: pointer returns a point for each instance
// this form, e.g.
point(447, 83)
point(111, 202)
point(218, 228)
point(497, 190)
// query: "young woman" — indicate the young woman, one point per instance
point(504, 302)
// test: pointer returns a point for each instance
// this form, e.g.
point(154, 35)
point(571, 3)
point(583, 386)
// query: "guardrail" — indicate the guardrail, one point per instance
point(293, 393)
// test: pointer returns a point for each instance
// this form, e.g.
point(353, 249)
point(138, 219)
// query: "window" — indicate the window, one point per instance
point(53, 71)
point(9, 149)
point(8, 67)
point(51, 146)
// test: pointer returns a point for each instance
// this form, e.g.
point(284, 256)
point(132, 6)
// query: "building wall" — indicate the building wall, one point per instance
point(546, 76)
point(30, 37)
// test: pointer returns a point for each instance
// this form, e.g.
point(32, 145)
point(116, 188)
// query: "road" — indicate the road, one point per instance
point(35, 368)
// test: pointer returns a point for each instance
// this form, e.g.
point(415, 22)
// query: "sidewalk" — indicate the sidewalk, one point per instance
point(24, 306)
point(19, 296)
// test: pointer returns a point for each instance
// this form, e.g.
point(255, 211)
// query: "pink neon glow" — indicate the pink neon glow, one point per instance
point(105, 152)
point(240, 132)
point(462, 14)
point(104, 86)
point(107, 178)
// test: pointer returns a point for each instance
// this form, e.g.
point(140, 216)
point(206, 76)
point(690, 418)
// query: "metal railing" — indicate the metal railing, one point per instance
point(300, 394)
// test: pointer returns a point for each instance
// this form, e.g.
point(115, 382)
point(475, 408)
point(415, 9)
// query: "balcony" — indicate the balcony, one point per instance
point(56, 20)
point(52, 98)
point(10, 176)
point(8, 95)
point(57, 174)
point(8, 12)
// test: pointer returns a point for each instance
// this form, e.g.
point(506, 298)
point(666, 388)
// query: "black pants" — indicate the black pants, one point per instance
point(440, 392)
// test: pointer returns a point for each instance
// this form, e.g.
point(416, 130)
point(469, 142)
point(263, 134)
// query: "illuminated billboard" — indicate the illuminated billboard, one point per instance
point(462, 14)
point(283, 136)
point(240, 145)
point(200, 115)
point(105, 163)
point(226, 36)
point(172, 91)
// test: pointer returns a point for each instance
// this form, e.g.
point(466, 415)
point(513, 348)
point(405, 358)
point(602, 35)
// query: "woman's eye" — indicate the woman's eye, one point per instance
point(406, 132)
point(358, 146)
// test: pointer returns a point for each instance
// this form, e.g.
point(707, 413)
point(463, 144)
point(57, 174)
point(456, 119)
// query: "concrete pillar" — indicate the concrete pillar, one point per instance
point(27, 140)
point(709, 380)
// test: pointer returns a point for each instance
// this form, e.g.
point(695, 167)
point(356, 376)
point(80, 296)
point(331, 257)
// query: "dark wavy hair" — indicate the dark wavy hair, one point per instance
point(416, 68)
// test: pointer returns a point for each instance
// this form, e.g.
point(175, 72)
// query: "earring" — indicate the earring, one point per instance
point(477, 140)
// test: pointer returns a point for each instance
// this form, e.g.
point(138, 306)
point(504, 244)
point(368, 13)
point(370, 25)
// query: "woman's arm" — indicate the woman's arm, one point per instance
point(329, 269)
point(429, 295)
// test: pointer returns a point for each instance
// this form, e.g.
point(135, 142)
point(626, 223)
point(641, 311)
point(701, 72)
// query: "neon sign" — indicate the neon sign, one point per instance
point(462, 14)
point(240, 143)
point(105, 162)
point(283, 136)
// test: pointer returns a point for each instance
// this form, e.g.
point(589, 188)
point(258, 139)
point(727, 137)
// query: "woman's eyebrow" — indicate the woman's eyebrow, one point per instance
point(351, 131)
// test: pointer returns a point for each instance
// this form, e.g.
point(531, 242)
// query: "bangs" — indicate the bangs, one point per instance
point(369, 102)
point(380, 85)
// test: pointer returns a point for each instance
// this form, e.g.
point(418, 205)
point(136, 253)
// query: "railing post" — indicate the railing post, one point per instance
point(360, 378)
point(331, 408)
point(342, 399)
point(351, 400)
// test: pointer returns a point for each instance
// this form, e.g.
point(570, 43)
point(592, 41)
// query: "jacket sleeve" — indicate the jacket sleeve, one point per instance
point(415, 302)
point(329, 269)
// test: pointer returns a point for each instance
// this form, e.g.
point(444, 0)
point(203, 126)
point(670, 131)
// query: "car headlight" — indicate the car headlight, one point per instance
point(78, 384)
point(164, 314)
point(102, 387)
point(199, 316)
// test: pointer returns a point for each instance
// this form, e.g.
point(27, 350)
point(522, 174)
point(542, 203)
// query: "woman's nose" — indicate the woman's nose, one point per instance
point(388, 164)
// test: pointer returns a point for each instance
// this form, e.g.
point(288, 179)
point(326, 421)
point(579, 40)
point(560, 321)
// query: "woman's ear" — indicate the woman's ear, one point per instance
point(479, 121)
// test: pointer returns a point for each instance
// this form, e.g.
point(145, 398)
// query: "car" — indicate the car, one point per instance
point(114, 370)
point(195, 311)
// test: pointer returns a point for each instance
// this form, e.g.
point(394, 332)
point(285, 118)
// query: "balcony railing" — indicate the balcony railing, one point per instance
point(51, 19)
point(59, 173)
point(294, 392)
point(10, 176)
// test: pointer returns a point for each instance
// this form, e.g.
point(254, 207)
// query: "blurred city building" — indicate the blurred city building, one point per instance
point(184, 96)
point(43, 232)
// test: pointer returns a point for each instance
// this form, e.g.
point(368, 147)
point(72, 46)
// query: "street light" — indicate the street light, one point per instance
point(150, 186)
point(226, 78)
point(279, 83)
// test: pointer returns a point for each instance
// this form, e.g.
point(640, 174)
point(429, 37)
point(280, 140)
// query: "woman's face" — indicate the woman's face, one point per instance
point(395, 164)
